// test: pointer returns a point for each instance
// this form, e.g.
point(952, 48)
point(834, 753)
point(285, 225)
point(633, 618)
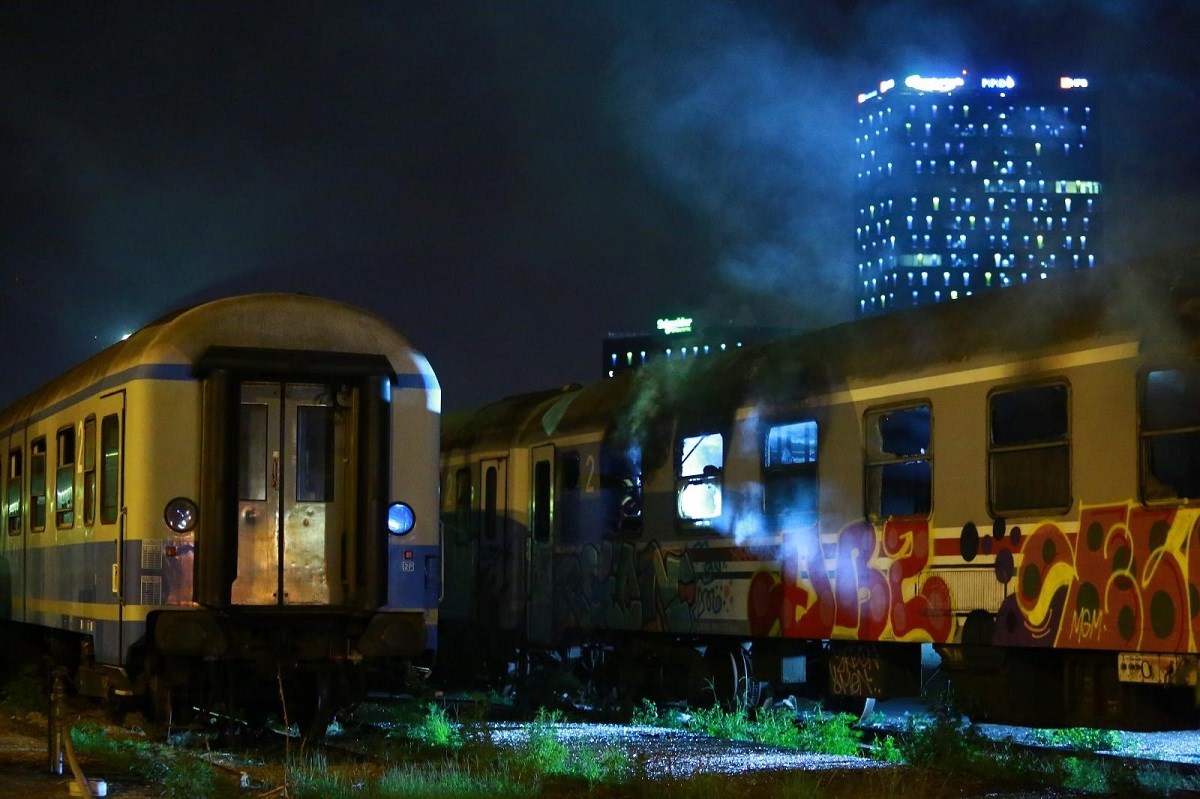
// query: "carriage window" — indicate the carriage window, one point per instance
point(490, 520)
point(462, 505)
point(541, 501)
point(37, 485)
point(1170, 435)
point(314, 453)
point(790, 475)
point(89, 471)
point(1029, 454)
point(899, 469)
point(110, 468)
point(568, 497)
point(698, 478)
point(64, 482)
point(252, 454)
point(13, 498)
point(621, 485)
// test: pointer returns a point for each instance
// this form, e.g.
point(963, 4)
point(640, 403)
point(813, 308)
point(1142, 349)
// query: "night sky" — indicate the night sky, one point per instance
point(508, 181)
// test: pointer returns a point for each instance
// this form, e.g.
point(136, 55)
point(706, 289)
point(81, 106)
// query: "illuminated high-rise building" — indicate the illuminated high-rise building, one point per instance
point(967, 183)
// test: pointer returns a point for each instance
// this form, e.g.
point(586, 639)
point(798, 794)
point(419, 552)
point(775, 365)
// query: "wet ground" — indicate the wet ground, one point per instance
point(659, 752)
point(25, 765)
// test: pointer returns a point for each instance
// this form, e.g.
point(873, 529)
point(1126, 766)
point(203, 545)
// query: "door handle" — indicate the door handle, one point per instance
point(275, 470)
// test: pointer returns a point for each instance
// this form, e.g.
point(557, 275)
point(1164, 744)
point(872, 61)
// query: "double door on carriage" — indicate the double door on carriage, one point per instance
point(294, 493)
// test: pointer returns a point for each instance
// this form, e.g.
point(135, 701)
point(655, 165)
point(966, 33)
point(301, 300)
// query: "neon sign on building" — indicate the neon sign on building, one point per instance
point(932, 84)
point(680, 324)
point(1007, 82)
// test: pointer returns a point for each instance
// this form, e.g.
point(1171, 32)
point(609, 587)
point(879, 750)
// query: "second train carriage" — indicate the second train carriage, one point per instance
point(1012, 478)
point(240, 496)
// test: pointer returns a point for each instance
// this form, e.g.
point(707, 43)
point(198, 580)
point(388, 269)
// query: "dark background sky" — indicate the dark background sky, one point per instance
point(509, 181)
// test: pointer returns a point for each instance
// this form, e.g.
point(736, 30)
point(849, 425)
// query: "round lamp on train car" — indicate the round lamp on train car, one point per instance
point(401, 518)
point(180, 514)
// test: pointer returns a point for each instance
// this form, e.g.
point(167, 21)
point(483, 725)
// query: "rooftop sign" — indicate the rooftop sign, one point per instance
point(1007, 82)
point(680, 324)
point(1072, 83)
point(932, 84)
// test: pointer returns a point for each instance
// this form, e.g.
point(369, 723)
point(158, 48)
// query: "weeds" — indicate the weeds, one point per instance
point(943, 740)
point(546, 754)
point(543, 750)
point(830, 734)
point(733, 725)
point(180, 774)
point(648, 715)
point(436, 729)
point(777, 727)
point(887, 750)
point(1081, 739)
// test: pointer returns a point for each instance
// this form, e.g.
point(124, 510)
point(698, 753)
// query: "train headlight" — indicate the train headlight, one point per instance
point(400, 519)
point(180, 514)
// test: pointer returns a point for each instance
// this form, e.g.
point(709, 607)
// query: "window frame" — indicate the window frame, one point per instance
point(683, 481)
point(887, 459)
point(568, 494)
point(16, 455)
point(90, 443)
point(37, 454)
point(770, 475)
point(463, 492)
point(110, 481)
point(66, 438)
point(993, 450)
point(1144, 436)
point(542, 500)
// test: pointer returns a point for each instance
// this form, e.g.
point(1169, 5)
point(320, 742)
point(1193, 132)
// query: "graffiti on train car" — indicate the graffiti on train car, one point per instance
point(874, 593)
point(1127, 580)
point(623, 585)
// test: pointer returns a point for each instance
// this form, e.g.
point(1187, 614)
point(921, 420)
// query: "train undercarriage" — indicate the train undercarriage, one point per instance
point(1006, 685)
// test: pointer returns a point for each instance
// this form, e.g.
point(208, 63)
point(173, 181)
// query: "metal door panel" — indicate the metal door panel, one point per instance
point(293, 493)
point(315, 493)
point(258, 483)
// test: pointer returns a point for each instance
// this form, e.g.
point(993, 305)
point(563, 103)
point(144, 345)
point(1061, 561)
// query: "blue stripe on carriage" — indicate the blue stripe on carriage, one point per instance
point(151, 371)
point(169, 371)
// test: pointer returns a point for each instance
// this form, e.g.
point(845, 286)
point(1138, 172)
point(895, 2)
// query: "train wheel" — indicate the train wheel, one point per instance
point(732, 677)
point(313, 712)
point(160, 707)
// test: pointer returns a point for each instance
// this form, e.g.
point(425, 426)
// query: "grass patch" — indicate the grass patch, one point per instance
point(733, 725)
point(647, 714)
point(1081, 739)
point(545, 754)
point(436, 729)
point(180, 773)
point(830, 734)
